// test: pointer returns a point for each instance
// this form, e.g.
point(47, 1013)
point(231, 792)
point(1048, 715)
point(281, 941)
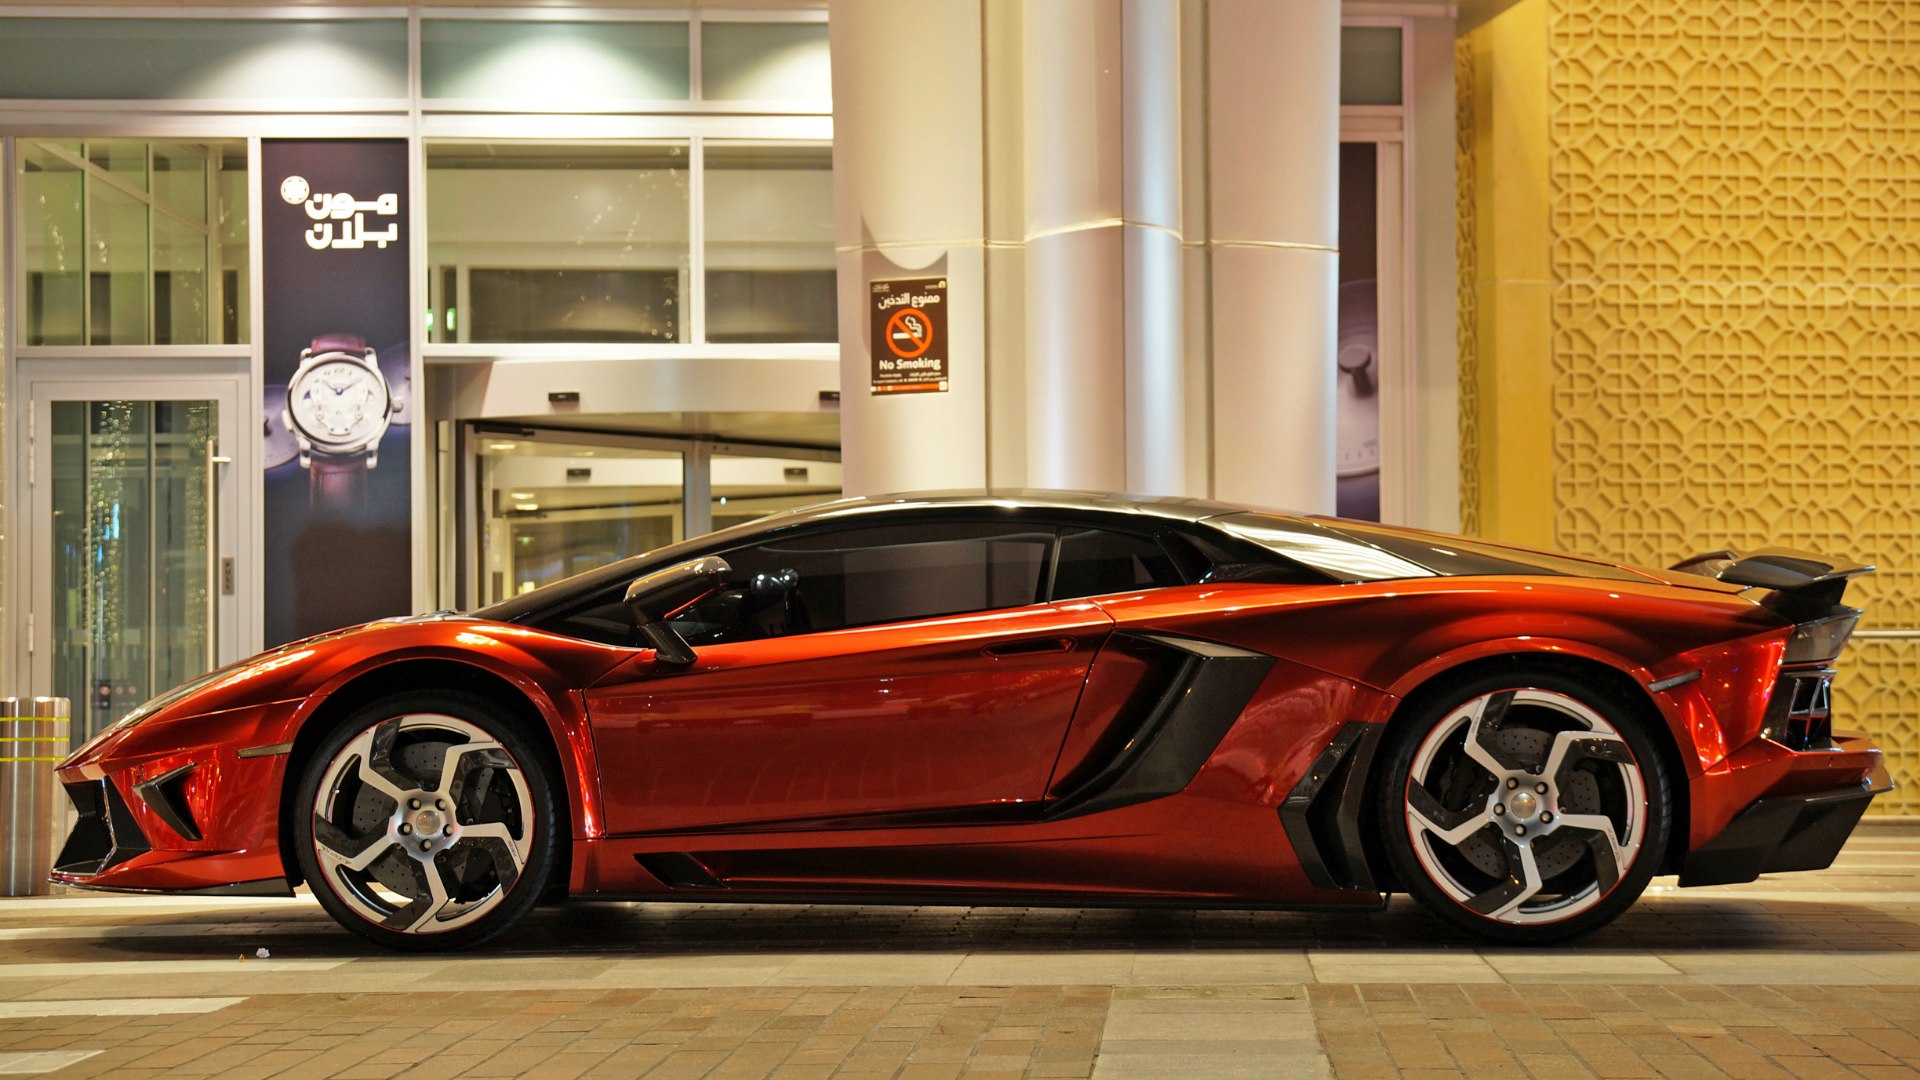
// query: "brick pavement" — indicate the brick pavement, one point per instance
point(1803, 975)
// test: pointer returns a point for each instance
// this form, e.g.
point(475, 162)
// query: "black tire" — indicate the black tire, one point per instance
point(400, 746)
point(1470, 877)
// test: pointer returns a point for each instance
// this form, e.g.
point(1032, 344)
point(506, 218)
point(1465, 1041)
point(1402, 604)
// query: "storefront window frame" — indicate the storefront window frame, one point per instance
point(693, 120)
point(694, 104)
point(688, 298)
point(93, 107)
point(13, 293)
point(419, 121)
point(409, 118)
point(773, 131)
point(1389, 128)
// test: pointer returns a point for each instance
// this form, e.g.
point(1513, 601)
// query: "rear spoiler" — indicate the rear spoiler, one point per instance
point(1804, 586)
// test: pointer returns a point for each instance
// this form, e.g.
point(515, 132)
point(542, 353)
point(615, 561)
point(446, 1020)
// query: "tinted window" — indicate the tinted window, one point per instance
point(1094, 562)
point(861, 577)
point(603, 618)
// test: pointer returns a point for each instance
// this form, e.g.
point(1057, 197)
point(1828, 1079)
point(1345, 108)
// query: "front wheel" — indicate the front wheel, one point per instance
point(1525, 808)
point(426, 821)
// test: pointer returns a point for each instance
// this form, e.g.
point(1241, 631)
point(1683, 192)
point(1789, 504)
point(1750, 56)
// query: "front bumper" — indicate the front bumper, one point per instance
point(1791, 828)
point(190, 806)
point(109, 852)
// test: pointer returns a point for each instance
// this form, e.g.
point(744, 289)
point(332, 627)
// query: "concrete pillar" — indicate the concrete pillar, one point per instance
point(908, 202)
point(1076, 392)
point(1121, 360)
point(1273, 175)
point(1103, 276)
point(1154, 298)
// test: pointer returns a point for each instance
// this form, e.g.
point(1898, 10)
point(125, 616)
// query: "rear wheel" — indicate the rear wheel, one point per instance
point(1525, 807)
point(426, 821)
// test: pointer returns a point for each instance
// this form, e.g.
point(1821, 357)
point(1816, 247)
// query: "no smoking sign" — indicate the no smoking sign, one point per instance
point(909, 343)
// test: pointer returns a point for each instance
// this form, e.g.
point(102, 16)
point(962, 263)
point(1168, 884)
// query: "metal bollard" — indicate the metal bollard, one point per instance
point(34, 736)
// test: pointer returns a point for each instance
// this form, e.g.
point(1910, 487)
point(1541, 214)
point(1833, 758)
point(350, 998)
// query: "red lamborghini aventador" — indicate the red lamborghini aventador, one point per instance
point(1020, 698)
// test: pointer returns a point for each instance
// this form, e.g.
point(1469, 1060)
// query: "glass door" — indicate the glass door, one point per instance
point(751, 482)
point(542, 504)
point(552, 505)
point(132, 577)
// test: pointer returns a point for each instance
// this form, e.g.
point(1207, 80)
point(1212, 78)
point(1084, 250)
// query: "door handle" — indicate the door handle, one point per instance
point(1030, 646)
point(214, 461)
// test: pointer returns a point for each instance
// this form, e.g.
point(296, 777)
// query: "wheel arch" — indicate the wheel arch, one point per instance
point(1619, 682)
point(417, 674)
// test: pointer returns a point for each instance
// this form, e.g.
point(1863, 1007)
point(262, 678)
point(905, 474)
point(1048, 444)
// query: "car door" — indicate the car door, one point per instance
point(851, 673)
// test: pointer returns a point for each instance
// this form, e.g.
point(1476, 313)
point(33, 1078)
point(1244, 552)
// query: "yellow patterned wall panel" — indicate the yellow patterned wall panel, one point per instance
point(1876, 692)
point(1735, 275)
point(1468, 286)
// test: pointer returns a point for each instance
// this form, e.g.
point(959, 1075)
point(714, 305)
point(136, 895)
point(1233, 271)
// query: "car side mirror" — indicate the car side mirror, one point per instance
point(651, 599)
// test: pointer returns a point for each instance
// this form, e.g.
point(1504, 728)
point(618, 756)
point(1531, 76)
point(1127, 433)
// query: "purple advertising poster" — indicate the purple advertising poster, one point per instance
point(1357, 422)
point(338, 403)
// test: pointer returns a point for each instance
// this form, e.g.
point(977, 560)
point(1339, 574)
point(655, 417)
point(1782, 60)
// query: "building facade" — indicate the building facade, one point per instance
point(1625, 278)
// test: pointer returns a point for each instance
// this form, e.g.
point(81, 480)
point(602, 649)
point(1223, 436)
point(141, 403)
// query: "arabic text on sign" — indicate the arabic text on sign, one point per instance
point(353, 234)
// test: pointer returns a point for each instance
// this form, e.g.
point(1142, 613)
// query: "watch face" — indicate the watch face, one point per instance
point(339, 404)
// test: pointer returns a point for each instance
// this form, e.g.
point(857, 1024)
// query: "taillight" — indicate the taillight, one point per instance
point(1819, 641)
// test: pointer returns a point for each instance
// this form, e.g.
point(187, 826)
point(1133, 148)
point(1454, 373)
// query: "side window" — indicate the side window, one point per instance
point(1094, 562)
point(865, 576)
point(602, 618)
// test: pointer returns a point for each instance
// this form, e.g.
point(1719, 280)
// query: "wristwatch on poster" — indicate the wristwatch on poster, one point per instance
point(338, 407)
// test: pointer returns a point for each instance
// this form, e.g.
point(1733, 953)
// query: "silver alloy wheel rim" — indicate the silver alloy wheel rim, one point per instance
point(1521, 813)
point(402, 835)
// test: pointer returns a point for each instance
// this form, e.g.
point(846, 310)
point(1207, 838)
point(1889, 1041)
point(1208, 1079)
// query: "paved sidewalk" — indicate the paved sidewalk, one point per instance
point(1803, 975)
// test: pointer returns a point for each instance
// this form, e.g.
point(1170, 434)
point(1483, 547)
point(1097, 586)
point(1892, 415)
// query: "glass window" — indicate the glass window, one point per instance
point(769, 243)
point(1369, 65)
point(567, 64)
point(866, 576)
point(558, 242)
point(134, 243)
point(193, 59)
point(1095, 562)
point(765, 61)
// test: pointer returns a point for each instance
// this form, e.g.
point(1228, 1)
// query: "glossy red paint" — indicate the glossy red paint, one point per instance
point(921, 759)
point(952, 712)
point(1217, 841)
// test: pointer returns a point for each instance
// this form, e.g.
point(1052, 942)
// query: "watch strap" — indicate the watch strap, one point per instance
point(337, 482)
point(346, 343)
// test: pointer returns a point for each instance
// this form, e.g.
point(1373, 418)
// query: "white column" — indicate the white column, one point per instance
point(1155, 293)
point(908, 202)
point(1076, 335)
point(1273, 171)
point(1103, 276)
